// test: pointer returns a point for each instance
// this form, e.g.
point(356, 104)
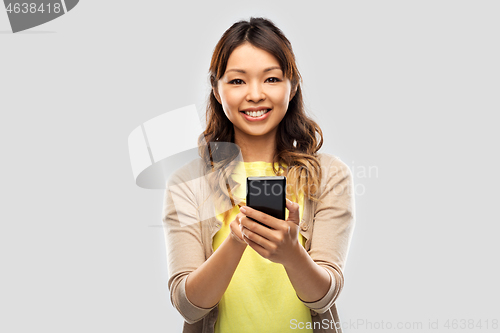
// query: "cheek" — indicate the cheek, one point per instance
point(281, 97)
point(235, 96)
point(229, 105)
point(229, 99)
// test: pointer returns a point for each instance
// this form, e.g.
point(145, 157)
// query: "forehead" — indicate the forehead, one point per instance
point(251, 59)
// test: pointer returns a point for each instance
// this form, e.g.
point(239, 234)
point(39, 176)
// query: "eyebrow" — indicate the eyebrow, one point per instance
point(242, 71)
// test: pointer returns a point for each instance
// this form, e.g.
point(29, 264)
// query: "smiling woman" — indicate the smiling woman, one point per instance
point(229, 273)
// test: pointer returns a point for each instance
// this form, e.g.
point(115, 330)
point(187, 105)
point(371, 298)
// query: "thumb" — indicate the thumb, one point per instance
point(293, 211)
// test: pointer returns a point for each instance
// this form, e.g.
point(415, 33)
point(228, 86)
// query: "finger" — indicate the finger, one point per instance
point(234, 226)
point(293, 228)
point(293, 211)
point(269, 234)
point(261, 217)
point(259, 249)
point(292, 206)
point(258, 239)
point(237, 238)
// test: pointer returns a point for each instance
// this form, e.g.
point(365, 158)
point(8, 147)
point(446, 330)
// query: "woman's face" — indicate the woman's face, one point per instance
point(253, 80)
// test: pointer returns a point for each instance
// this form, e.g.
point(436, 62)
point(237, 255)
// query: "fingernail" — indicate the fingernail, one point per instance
point(243, 210)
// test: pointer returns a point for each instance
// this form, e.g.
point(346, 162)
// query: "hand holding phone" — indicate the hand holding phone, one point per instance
point(279, 240)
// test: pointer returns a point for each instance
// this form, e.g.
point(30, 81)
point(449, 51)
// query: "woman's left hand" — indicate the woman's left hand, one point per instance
point(279, 244)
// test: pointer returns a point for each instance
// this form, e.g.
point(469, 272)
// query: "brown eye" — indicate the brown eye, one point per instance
point(235, 81)
point(275, 79)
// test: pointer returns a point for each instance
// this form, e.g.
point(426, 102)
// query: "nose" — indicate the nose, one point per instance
point(255, 92)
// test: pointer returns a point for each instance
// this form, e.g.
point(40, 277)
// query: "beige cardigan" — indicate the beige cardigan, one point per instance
point(190, 224)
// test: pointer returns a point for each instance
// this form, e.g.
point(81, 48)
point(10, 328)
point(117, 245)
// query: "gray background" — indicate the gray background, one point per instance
point(409, 88)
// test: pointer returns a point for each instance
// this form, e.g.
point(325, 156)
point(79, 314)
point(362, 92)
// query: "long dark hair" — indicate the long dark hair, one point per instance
point(298, 137)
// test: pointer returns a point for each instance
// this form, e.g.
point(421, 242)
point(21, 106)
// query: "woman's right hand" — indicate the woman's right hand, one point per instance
point(236, 230)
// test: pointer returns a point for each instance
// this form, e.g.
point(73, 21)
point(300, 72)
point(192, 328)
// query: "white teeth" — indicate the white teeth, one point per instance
point(255, 113)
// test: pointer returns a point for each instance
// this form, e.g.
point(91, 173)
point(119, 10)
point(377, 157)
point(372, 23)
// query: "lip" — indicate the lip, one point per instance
point(249, 118)
point(258, 108)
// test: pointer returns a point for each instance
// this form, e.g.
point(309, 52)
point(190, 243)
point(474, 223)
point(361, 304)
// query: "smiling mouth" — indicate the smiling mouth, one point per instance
point(256, 114)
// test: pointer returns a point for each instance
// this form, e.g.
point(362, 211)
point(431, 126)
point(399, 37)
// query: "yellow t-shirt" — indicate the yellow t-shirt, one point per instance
point(260, 296)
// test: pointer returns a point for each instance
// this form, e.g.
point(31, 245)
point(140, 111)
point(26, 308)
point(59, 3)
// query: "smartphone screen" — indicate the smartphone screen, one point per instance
point(268, 195)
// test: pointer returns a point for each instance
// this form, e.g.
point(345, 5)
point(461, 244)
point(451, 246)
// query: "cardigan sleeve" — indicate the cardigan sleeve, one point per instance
point(333, 226)
point(184, 245)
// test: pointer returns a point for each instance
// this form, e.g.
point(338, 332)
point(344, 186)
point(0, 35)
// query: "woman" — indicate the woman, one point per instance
point(226, 272)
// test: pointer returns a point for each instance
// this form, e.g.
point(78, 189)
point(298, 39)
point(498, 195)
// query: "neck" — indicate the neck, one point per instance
point(256, 148)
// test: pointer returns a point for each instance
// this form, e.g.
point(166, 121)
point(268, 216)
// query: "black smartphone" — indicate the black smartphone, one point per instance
point(268, 195)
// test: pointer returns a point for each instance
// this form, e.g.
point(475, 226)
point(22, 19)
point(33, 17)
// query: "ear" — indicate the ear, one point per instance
point(216, 94)
point(292, 93)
